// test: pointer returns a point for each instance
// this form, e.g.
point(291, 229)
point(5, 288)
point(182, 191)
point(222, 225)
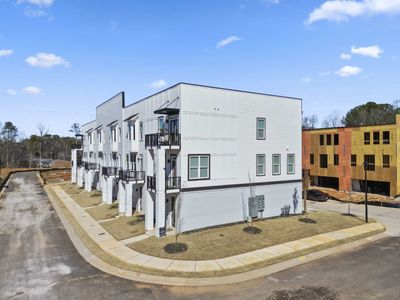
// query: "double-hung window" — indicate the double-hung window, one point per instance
point(290, 163)
point(276, 164)
point(261, 125)
point(199, 166)
point(260, 158)
point(141, 131)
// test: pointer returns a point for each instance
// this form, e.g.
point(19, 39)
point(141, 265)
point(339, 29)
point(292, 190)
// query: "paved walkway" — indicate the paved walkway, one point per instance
point(118, 248)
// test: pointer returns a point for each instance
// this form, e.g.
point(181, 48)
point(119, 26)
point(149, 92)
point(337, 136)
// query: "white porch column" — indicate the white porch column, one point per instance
point(148, 211)
point(89, 180)
point(128, 199)
point(121, 197)
point(104, 189)
point(80, 177)
point(110, 185)
point(159, 156)
point(74, 166)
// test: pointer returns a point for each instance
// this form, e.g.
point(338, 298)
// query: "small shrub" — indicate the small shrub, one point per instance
point(307, 220)
point(172, 248)
point(252, 230)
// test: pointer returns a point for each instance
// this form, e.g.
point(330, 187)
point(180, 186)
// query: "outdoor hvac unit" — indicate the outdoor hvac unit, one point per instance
point(256, 205)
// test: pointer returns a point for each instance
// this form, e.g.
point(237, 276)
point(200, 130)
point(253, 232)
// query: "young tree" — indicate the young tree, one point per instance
point(43, 131)
point(75, 128)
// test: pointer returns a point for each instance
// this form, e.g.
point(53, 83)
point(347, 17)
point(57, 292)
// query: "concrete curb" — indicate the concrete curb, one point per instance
point(209, 281)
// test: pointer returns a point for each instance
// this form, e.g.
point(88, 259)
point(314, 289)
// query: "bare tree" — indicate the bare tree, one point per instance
point(333, 120)
point(43, 130)
point(75, 129)
point(310, 122)
point(178, 216)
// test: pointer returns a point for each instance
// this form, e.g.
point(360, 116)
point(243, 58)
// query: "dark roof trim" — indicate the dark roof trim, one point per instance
point(152, 95)
point(130, 117)
point(89, 130)
point(167, 111)
point(98, 127)
point(113, 123)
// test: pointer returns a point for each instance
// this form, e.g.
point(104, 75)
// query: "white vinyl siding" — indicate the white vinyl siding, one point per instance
point(199, 167)
point(276, 164)
point(260, 164)
point(261, 128)
point(290, 163)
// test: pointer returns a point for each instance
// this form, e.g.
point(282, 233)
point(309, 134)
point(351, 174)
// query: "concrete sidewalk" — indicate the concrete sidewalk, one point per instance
point(119, 250)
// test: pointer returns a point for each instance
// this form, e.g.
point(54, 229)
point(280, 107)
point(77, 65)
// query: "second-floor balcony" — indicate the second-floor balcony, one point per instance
point(171, 183)
point(131, 175)
point(157, 140)
point(110, 171)
point(91, 166)
point(151, 183)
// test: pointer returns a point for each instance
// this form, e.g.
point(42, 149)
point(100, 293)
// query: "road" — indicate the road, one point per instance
point(38, 261)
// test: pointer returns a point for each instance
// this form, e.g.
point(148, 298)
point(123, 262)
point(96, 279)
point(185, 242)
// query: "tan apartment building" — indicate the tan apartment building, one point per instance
point(335, 157)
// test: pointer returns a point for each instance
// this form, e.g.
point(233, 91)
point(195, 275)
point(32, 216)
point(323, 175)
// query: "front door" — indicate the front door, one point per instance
point(171, 166)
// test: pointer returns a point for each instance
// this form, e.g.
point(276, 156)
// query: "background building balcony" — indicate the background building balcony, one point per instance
point(131, 175)
point(157, 140)
point(91, 166)
point(110, 171)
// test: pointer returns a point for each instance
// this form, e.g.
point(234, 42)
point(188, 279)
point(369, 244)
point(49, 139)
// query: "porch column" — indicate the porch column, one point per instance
point(80, 177)
point(159, 156)
point(74, 166)
point(128, 199)
point(121, 197)
point(148, 211)
point(89, 180)
point(109, 196)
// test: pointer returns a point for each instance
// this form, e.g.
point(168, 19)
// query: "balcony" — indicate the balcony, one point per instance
point(110, 171)
point(151, 183)
point(157, 140)
point(131, 175)
point(91, 166)
point(173, 183)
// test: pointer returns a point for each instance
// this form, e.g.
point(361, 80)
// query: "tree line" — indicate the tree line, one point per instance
point(370, 113)
point(16, 150)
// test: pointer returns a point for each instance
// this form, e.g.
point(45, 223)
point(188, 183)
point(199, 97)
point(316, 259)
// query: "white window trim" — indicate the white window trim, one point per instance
point(273, 164)
point(258, 165)
point(294, 163)
point(199, 156)
point(264, 129)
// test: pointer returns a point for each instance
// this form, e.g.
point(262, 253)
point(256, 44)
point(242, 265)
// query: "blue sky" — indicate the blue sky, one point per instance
point(61, 58)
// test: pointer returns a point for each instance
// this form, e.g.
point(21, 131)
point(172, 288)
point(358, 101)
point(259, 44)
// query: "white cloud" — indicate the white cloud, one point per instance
point(37, 2)
point(345, 56)
point(372, 51)
point(158, 84)
point(46, 60)
point(6, 52)
point(33, 90)
point(271, 1)
point(347, 71)
point(35, 13)
point(325, 73)
point(227, 41)
point(343, 10)
point(11, 92)
point(306, 79)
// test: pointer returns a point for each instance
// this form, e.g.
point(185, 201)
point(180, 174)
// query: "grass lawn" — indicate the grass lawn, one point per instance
point(125, 227)
point(103, 212)
point(224, 241)
point(84, 199)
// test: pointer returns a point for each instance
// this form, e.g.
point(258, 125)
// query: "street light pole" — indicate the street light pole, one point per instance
point(366, 190)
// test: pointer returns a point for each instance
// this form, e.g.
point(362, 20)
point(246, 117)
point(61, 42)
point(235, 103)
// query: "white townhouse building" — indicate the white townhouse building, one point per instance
point(194, 156)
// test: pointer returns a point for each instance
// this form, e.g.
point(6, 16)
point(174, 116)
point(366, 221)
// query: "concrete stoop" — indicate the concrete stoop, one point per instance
point(119, 250)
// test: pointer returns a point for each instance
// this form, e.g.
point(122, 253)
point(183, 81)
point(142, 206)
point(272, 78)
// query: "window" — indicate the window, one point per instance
point(90, 137)
point(261, 128)
point(386, 137)
point(276, 164)
point(199, 166)
point(113, 134)
point(323, 160)
point(311, 159)
point(260, 164)
point(321, 140)
point(336, 159)
point(370, 160)
point(141, 130)
point(353, 160)
point(336, 139)
point(376, 138)
point(131, 131)
point(386, 161)
point(99, 136)
point(367, 138)
point(290, 163)
point(119, 134)
point(160, 124)
point(329, 139)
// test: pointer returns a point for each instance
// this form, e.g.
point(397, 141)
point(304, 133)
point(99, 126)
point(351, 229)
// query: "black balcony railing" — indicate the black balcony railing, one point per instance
point(110, 171)
point(131, 175)
point(162, 139)
point(172, 183)
point(151, 182)
point(91, 166)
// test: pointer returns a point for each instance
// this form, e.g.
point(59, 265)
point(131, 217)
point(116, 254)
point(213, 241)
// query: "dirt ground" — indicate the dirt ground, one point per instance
point(235, 239)
point(125, 227)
